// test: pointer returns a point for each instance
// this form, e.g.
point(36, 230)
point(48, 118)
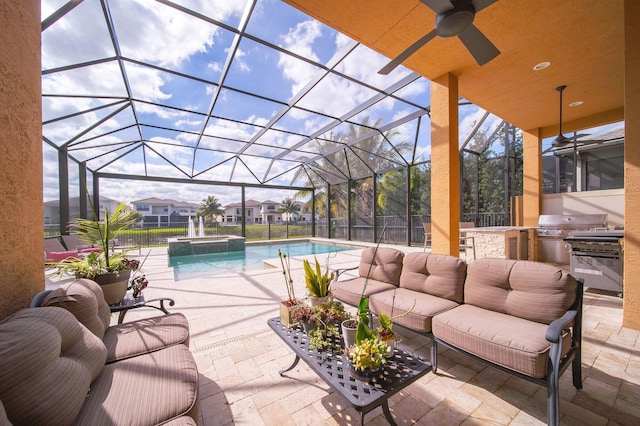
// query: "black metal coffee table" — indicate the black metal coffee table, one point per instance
point(402, 369)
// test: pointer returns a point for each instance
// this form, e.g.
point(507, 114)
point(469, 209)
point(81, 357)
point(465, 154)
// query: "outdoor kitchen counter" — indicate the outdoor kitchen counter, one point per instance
point(502, 242)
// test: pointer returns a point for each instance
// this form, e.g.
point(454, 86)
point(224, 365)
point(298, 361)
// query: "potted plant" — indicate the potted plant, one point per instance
point(367, 357)
point(329, 317)
point(305, 315)
point(317, 281)
point(111, 270)
point(287, 306)
point(385, 330)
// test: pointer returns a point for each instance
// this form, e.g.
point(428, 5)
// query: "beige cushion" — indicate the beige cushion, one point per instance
point(509, 341)
point(84, 299)
point(531, 290)
point(386, 267)
point(350, 291)
point(436, 274)
point(144, 390)
point(402, 299)
point(47, 362)
point(145, 335)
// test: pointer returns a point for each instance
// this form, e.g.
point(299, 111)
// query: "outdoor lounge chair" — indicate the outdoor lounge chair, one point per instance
point(55, 251)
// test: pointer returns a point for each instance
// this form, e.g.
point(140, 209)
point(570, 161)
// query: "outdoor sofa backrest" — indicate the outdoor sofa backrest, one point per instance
point(436, 274)
point(386, 267)
point(85, 300)
point(531, 290)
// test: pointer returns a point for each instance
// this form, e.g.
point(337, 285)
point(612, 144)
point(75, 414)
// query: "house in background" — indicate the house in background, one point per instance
point(261, 212)
point(52, 209)
point(164, 212)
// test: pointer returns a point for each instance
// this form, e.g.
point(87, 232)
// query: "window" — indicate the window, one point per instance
point(238, 211)
point(604, 173)
point(142, 207)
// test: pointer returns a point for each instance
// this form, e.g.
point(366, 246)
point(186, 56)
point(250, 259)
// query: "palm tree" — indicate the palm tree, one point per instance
point(288, 207)
point(210, 207)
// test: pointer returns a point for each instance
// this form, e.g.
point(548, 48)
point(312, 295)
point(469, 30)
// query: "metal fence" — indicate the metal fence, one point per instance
point(361, 230)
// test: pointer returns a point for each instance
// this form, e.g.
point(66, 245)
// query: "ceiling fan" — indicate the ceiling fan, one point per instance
point(561, 141)
point(453, 18)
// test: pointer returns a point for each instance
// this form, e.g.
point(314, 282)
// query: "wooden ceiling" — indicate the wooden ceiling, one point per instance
point(582, 39)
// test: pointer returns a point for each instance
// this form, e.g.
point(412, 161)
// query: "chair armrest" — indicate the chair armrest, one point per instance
point(338, 272)
point(36, 301)
point(554, 331)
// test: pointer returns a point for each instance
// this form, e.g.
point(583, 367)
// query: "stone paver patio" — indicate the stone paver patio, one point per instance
point(239, 358)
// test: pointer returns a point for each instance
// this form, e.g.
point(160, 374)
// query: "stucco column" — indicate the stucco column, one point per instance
point(631, 315)
point(445, 166)
point(22, 213)
point(531, 177)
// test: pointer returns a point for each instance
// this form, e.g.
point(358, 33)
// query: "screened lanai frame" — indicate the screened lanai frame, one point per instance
point(247, 104)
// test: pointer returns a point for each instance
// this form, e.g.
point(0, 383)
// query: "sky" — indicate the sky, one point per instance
point(214, 96)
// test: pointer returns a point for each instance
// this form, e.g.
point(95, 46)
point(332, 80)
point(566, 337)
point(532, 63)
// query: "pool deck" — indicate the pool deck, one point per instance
point(239, 358)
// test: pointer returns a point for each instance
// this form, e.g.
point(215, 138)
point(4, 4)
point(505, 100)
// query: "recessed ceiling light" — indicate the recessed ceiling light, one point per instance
point(541, 66)
point(576, 103)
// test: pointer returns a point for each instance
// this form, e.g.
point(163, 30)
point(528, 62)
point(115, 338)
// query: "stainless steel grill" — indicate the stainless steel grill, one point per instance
point(553, 228)
point(597, 256)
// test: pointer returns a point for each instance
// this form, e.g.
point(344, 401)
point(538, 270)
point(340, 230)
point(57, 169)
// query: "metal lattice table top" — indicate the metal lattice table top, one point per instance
point(401, 369)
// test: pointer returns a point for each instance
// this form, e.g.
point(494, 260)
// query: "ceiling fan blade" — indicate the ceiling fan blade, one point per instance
point(407, 52)
point(481, 4)
point(438, 6)
point(478, 45)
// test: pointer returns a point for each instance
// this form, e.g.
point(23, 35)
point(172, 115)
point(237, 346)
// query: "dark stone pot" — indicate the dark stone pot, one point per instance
point(114, 285)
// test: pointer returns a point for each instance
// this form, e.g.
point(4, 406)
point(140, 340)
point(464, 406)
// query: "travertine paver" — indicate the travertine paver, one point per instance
point(238, 359)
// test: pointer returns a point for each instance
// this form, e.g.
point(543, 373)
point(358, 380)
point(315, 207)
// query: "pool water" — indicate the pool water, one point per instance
point(196, 266)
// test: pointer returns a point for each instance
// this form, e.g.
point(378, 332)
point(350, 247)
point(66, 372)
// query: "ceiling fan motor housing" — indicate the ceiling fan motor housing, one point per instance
point(456, 20)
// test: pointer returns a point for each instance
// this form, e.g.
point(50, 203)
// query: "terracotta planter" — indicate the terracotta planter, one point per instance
point(114, 285)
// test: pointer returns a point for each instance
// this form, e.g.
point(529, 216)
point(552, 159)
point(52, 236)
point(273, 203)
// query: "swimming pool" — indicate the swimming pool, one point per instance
point(196, 266)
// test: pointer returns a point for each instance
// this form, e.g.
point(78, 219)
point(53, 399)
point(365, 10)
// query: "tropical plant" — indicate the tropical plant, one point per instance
point(210, 207)
point(317, 281)
point(100, 234)
point(288, 207)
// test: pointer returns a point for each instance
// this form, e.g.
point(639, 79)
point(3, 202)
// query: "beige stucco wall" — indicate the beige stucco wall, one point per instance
point(21, 216)
point(610, 201)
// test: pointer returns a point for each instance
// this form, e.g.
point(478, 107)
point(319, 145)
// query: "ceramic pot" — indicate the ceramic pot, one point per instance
point(114, 285)
point(349, 328)
point(315, 301)
point(309, 326)
point(364, 375)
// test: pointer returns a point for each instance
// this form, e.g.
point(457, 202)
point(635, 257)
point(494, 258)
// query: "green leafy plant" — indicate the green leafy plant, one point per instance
point(100, 233)
point(385, 330)
point(329, 316)
point(317, 281)
point(369, 354)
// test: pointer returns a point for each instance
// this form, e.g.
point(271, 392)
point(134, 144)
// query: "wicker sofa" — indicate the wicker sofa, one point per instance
point(63, 364)
point(522, 317)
